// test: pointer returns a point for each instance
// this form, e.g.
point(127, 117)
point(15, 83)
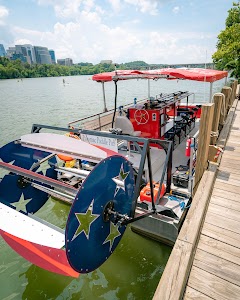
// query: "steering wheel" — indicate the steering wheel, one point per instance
point(141, 116)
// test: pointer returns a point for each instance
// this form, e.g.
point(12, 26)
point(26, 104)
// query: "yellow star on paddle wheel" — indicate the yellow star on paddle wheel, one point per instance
point(21, 204)
point(114, 233)
point(44, 167)
point(85, 221)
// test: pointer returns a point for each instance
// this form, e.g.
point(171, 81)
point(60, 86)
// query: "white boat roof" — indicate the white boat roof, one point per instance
point(61, 144)
point(29, 229)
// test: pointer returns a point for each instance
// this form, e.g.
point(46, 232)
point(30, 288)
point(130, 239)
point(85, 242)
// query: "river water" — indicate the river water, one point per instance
point(134, 269)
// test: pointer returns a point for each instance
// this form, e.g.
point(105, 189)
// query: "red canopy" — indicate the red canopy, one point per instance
point(196, 74)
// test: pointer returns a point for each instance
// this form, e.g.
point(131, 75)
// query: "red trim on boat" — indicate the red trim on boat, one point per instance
point(50, 259)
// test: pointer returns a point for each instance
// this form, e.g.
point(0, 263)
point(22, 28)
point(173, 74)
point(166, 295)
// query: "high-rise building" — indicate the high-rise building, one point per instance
point(11, 51)
point(20, 53)
point(31, 59)
point(20, 56)
point(23, 52)
point(42, 55)
point(52, 54)
point(2, 50)
point(31, 54)
point(65, 62)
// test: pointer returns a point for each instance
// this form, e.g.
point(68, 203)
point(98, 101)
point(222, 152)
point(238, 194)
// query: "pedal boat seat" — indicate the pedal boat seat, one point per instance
point(126, 126)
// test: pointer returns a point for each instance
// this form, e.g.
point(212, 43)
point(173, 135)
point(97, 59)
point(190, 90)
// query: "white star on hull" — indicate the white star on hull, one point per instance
point(120, 180)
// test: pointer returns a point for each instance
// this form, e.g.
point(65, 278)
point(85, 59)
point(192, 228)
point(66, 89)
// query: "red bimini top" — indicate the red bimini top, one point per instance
point(197, 74)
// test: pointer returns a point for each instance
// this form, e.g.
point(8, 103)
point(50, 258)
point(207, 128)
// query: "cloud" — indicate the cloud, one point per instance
point(116, 5)
point(22, 42)
point(3, 14)
point(187, 47)
point(88, 36)
point(6, 36)
point(145, 6)
point(71, 8)
point(176, 9)
point(90, 40)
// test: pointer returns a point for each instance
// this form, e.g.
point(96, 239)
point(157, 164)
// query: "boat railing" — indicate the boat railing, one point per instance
point(103, 120)
point(99, 121)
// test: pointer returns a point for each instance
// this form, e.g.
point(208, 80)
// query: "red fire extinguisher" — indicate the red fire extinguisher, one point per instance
point(188, 147)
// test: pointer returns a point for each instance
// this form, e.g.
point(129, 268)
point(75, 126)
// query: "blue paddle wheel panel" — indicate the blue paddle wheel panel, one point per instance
point(90, 236)
point(14, 190)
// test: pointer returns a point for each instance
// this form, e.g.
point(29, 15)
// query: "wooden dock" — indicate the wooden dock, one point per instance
point(205, 260)
point(215, 272)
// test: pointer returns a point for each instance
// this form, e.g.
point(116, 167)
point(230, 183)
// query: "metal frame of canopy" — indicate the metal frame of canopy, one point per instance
point(204, 75)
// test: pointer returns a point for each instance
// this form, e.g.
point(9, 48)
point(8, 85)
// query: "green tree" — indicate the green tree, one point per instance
point(227, 55)
point(12, 72)
point(17, 69)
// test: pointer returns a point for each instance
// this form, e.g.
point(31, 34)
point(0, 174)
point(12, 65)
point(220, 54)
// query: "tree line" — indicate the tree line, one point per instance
point(17, 69)
point(10, 69)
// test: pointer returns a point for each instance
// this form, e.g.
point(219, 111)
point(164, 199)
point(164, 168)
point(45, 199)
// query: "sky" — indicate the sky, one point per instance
point(155, 31)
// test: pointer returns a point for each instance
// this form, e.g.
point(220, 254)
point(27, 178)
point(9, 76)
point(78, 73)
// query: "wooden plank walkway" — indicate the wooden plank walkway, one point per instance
point(205, 260)
point(215, 272)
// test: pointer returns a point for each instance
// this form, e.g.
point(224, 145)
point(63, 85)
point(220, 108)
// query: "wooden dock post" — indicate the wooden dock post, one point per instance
point(217, 100)
point(204, 141)
point(238, 91)
point(233, 95)
point(227, 91)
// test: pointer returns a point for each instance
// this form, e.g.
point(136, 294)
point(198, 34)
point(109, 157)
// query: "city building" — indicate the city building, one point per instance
point(31, 58)
point(42, 55)
point(30, 54)
point(23, 52)
point(20, 56)
point(10, 52)
point(65, 62)
point(52, 54)
point(106, 61)
point(2, 50)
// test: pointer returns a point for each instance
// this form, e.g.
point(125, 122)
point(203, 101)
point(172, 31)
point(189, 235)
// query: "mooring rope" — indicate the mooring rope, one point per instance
point(214, 133)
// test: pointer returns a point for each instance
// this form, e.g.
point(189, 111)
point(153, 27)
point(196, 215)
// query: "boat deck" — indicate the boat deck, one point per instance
point(205, 261)
point(102, 122)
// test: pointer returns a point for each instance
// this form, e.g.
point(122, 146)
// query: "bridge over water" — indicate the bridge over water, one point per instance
point(192, 65)
point(203, 65)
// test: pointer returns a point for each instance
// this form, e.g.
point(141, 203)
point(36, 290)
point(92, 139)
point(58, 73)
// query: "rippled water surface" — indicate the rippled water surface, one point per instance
point(134, 269)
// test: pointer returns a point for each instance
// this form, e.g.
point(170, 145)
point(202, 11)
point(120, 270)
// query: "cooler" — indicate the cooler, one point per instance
point(145, 194)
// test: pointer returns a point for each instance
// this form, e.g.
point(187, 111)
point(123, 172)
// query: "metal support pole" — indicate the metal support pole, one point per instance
point(104, 98)
point(190, 181)
point(211, 91)
point(150, 177)
point(149, 89)
point(169, 169)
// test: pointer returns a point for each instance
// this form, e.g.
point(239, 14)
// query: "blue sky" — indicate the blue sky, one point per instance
point(156, 31)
